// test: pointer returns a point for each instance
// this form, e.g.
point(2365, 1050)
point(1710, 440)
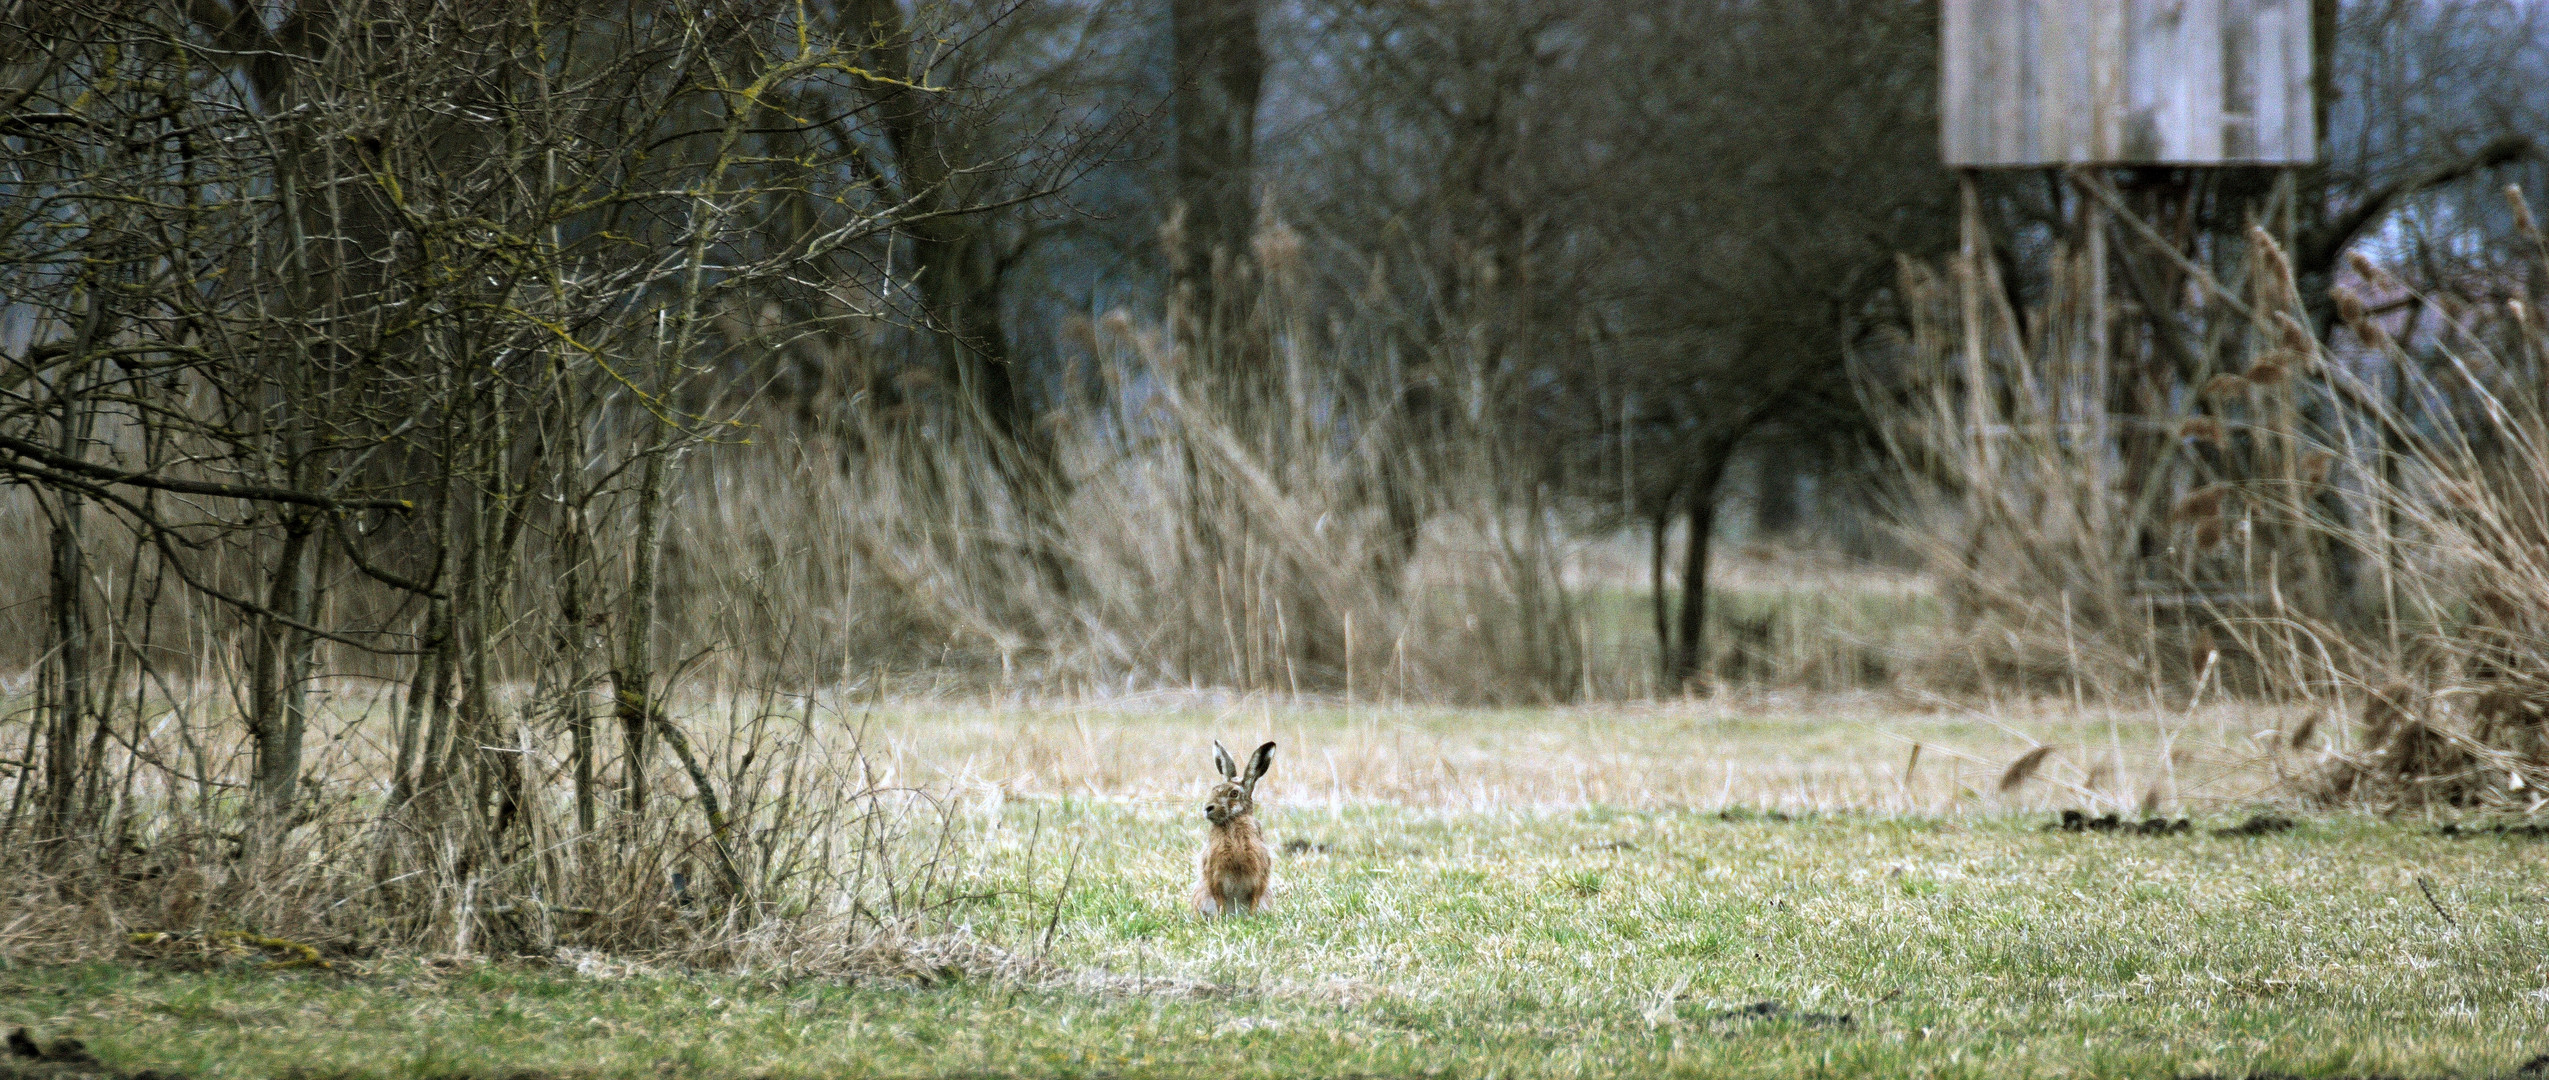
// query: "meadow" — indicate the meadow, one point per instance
point(1769, 887)
point(588, 540)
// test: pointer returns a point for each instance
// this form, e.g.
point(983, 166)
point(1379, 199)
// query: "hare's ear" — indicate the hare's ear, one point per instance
point(1259, 762)
point(1221, 760)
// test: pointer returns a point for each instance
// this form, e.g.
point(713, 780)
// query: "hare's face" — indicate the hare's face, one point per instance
point(1229, 800)
point(1237, 793)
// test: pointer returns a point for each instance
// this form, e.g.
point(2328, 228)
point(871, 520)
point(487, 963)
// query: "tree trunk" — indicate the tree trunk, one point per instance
point(958, 269)
point(575, 607)
point(274, 708)
point(1658, 555)
point(1690, 654)
point(70, 640)
point(68, 602)
point(631, 690)
point(420, 734)
point(1778, 504)
point(1688, 672)
point(70, 684)
point(1220, 66)
point(960, 285)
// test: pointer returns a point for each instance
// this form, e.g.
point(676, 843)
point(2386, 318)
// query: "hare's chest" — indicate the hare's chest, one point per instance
point(1234, 866)
point(1240, 886)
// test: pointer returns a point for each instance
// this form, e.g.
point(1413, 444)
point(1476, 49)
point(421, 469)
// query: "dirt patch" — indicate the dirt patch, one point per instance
point(2074, 821)
point(1772, 1010)
point(62, 1059)
point(2530, 831)
point(1744, 814)
point(2260, 825)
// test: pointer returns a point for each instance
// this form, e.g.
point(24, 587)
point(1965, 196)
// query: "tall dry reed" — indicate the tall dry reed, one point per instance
point(2351, 519)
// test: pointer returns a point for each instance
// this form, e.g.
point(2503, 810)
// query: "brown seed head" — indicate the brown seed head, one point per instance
point(2222, 386)
point(2522, 211)
point(2269, 370)
point(2370, 272)
point(2296, 337)
point(2202, 429)
point(2349, 306)
point(2203, 502)
point(2278, 271)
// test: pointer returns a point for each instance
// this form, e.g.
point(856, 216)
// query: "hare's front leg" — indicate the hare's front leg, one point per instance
point(1242, 894)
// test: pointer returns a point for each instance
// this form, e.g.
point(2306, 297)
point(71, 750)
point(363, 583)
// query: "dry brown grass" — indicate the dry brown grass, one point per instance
point(837, 869)
point(1793, 754)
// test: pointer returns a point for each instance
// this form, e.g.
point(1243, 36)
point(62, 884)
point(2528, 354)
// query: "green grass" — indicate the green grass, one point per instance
point(1475, 942)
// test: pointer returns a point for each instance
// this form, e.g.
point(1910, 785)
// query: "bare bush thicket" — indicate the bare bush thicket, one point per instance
point(365, 340)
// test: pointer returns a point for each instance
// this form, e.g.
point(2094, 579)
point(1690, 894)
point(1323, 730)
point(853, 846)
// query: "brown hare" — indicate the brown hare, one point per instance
point(1236, 866)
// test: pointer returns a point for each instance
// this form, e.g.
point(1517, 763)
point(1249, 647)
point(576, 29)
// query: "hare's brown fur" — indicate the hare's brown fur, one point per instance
point(1235, 868)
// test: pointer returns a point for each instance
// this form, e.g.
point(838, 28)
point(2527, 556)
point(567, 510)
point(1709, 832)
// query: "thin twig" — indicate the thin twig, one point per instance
point(2427, 888)
point(1059, 899)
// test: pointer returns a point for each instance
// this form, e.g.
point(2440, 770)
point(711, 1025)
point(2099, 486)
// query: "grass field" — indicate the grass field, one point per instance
point(1522, 894)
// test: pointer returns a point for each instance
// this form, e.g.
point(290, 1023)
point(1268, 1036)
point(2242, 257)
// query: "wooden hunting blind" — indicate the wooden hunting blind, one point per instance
point(2037, 83)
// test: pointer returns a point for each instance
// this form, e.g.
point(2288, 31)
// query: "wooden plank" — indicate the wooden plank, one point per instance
point(2267, 131)
point(1956, 93)
point(2038, 60)
point(2150, 56)
point(2197, 85)
point(2047, 82)
point(2301, 114)
point(2004, 74)
point(2070, 113)
point(2107, 107)
point(2239, 80)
